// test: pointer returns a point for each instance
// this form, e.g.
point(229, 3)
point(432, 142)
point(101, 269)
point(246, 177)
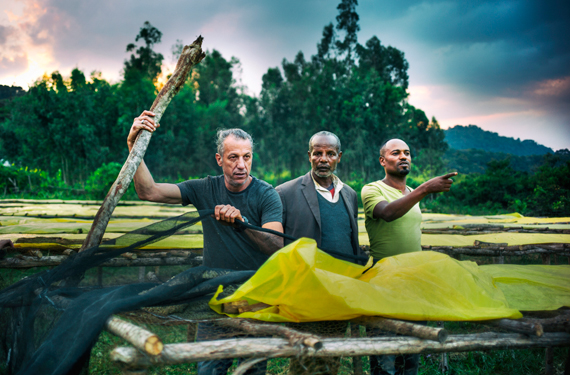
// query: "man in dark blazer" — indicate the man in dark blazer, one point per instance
point(318, 205)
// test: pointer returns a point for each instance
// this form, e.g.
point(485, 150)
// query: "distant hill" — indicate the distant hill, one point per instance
point(473, 137)
point(475, 161)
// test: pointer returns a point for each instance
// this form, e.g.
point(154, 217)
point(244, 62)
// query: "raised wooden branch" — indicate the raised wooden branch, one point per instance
point(191, 55)
point(140, 338)
point(337, 347)
point(404, 328)
point(519, 326)
point(49, 261)
point(259, 329)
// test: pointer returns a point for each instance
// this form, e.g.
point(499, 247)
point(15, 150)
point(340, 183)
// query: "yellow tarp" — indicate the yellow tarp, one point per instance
point(302, 283)
point(532, 287)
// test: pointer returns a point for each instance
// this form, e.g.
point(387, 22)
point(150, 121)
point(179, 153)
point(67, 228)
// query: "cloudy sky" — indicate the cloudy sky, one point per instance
point(501, 65)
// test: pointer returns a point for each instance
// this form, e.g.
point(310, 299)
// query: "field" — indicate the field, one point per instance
point(51, 226)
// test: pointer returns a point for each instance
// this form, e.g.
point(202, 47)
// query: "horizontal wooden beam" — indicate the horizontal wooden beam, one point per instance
point(55, 260)
point(334, 347)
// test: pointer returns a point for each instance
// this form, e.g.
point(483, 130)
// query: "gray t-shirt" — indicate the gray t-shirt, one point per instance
point(223, 246)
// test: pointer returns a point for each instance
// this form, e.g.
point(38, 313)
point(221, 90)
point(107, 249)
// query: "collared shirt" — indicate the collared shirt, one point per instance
point(325, 193)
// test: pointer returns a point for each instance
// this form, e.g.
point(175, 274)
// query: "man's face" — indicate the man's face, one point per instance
point(324, 157)
point(396, 159)
point(236, 161)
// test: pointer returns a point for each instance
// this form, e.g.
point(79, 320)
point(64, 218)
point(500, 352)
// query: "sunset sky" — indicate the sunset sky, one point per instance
point(501, 65)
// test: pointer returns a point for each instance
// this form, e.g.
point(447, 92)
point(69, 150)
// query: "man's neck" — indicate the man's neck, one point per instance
point(323, 181)
point(397, 182)
point(237, 189)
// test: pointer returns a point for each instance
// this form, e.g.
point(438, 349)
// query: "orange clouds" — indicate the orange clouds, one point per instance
point(552, 87)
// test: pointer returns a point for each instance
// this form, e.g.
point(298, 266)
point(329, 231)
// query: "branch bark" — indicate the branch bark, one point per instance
point(191, 55)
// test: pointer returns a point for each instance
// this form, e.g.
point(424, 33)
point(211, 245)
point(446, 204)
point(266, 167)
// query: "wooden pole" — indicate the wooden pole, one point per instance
point(337, 347)
point(48, 261)
point(549, 361)
point(404, 328)
point(527, 327)
point(191, 55)
point(140, 338)
point(256, 328)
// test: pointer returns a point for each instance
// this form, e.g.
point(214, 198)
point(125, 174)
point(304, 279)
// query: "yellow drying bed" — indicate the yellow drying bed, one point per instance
point(413, 286)
point(14, 227)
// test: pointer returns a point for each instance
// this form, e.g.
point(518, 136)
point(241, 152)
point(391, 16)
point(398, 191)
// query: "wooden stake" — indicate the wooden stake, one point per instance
point(404, 328)
point(140, 338)
point(356, 361)
point(191, 55)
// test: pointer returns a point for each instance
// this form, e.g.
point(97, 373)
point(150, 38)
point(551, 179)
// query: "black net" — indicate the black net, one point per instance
point(49, 327)
point(51, 320)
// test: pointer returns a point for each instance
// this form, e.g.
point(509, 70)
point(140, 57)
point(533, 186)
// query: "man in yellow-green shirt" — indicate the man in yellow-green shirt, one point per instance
point(393, 219)
point(392, 208)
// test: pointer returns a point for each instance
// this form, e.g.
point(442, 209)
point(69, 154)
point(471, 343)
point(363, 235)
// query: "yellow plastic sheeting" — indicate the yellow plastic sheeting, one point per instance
point(303, 284)
point(532, 287)
point(512, 239)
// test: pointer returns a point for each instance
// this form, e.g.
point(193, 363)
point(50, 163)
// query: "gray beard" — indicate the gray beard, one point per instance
point(324, 175)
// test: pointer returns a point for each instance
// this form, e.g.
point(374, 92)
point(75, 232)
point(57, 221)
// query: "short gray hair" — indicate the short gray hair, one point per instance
point(222, 134)
point(324, 133)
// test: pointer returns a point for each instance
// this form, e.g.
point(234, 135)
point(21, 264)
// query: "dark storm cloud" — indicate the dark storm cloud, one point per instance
point(486, 45)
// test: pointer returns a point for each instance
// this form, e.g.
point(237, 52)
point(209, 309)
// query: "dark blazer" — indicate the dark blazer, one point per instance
point(301, 214)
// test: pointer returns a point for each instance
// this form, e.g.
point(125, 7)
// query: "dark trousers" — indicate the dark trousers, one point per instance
point(404, 364)
point(210, 331)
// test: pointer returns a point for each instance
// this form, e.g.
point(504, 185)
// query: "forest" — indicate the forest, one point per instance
point(66, 136)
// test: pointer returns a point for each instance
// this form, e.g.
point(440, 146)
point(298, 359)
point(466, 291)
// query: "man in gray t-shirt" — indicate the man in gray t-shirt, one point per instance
point(223, 246)
point(235, 195)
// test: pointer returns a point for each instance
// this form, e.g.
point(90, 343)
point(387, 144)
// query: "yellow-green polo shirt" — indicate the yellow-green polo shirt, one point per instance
point(402, 235)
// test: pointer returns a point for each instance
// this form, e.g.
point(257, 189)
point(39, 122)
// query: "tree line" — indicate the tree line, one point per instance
point(70, 132)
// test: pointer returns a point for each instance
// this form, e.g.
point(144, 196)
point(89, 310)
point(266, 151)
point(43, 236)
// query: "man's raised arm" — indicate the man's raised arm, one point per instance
point(398, 208)
point(145, 186)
